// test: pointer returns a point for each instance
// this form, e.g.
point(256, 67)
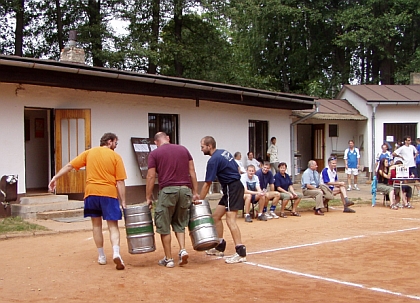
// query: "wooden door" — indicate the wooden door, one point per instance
point(318, 145)
point(72, 136)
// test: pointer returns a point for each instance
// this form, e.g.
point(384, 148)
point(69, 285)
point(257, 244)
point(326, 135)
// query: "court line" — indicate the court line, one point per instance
point(334, 281)
point(331, 241)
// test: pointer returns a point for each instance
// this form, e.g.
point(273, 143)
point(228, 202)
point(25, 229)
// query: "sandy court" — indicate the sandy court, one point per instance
point(369, 256)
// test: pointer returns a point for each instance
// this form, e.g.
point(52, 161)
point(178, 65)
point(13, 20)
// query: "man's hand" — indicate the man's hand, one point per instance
point(149, 203)
point(196, 199)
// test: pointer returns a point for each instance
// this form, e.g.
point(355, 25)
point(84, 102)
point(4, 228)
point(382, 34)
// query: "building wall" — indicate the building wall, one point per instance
point(126, 115)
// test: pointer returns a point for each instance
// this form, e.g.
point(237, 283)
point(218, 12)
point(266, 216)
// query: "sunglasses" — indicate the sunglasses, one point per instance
point(331, 159)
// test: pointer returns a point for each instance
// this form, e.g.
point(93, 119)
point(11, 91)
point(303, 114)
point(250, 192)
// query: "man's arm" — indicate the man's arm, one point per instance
point(64, 170)
point(205, 190)
point(194, 183)
point(150, 184)
point(121, 192)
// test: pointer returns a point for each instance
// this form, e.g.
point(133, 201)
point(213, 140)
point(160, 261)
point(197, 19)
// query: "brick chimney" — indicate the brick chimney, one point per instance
point(414, 78)
point(71, 53)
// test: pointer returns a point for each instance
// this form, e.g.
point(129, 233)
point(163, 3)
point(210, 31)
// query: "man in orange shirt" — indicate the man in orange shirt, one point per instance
point(105, 175)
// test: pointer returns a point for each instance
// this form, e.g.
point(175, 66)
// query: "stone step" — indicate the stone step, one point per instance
point(71, 213)
point(30, 211)
point(43, 199)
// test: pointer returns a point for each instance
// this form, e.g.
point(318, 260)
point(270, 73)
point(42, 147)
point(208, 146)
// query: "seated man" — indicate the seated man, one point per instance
point(407, 191)
point(310, 186)
point(253, 194)
point(252, 161)
point(267, 181)
point(238, 159)
point(331, 186)
point(284, 185)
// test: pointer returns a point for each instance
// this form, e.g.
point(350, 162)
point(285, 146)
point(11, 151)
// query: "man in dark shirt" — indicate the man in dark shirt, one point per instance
point(223, 166)
point(267, 180)
point(176, 175)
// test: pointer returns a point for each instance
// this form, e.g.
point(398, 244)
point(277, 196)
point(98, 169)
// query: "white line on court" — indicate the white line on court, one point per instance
point(411, 219)
point(331, 241)
point(334, 281)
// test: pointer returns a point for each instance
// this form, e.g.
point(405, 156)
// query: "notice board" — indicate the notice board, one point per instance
point(142, 148)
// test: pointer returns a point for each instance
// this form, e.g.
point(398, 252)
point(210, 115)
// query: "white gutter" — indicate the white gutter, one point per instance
point(292, 139)
point(374, 106)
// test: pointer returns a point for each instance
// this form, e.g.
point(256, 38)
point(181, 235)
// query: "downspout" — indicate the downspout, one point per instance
point(292, 139)
point(374, 106)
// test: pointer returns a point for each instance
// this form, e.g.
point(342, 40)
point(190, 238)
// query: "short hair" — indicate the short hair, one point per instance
point(311, 162)
point(398, 162)
point(250, 152)
point(236, 154)
point(106, 137)
point(406, 137)
point(332, 158)
point(351, 141)
point(250, 165)
point(159, 135)
point(266, 163)
point(273, 138)
point(282, 164)
point(209, 140)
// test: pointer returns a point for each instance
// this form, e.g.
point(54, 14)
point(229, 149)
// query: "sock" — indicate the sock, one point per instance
point(101, 252)
point(273, 208)
point(116, 249)
point(247, 215)
point(259, 214)
point(264, 209)
point(355, 185)
point(241, 250)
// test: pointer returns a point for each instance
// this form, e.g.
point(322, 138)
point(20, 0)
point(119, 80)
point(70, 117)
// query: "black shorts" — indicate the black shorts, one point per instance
point(413, 171)
point(233, 196)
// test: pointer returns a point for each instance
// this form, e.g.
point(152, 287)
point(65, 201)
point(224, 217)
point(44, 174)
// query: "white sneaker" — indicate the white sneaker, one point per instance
point(119, 264)
point(349, 188)
point(356, 188)
point(215, 252)
point(235, 259)
point(102, 260)
point(167, 262)
point(183, 257)
point(273, 215)
point(268, 216)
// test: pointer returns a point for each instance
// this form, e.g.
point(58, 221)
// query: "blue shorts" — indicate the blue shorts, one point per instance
point(105, 207)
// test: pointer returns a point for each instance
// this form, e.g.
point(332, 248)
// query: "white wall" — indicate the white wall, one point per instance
point(126, 115)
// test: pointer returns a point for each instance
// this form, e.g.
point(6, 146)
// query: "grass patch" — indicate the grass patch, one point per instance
point(17, 224)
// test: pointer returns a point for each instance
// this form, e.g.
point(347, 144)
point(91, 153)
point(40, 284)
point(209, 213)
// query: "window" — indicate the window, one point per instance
point(399, 130)
point(258, 138)
point(164, 123)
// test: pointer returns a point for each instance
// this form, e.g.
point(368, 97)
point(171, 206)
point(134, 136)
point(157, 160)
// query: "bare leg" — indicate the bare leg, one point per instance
point(355, 179)
point(217, 217)
point(114, 232)
point(97, 231)
point(181, 240)
point(233, 227)
point(247, 198)
point(295, 204)
point(166, 243)
point(349, 180)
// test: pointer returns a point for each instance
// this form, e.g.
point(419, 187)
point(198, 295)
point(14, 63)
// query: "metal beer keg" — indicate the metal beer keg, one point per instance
point(201, 226)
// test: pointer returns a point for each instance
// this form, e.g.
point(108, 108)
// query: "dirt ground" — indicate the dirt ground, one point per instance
point(369, 256)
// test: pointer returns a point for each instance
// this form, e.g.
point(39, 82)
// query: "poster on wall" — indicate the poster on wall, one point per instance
point(39, 128)
point(142, 148)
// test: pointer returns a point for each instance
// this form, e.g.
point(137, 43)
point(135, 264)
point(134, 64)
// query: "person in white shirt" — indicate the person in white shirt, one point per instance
point(407, 153)
point(238, 159)
point(253, 194)
point(272, 152)
point(252, 161)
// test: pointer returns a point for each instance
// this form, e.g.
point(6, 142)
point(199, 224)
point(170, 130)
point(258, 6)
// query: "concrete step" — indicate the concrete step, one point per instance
point(30, 211)
point(43, 199)
point(71, 213)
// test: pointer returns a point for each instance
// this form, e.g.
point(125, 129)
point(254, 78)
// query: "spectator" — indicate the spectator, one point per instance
point(352, 161)
point(253, 194)
point(407, 153)
point(272, 153)
point(252, 161)
point(383, 175)
point(331, 186)
point(283, 183)
point(385, 153)
point(407, 191)
point(238, 159)
point(267, 183)
point(310, 186)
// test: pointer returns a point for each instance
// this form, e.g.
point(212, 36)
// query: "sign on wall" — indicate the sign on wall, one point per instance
point(142, 148)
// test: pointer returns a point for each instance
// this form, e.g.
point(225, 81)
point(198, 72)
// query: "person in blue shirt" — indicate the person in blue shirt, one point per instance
point(331, 186)
point(310, 186)
point(384, 154)
point(352, 161)
point(223, 166)
point(266, 179)
point(283, 184)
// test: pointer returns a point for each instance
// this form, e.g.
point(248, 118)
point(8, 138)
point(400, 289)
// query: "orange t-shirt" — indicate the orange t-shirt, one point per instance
point(104, 167)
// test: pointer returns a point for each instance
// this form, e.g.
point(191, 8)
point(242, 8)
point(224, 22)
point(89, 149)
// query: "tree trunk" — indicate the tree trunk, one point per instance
point(179, 69)
point(20, 9)
point(152, 68)
point(94, 15)
point(59, 25)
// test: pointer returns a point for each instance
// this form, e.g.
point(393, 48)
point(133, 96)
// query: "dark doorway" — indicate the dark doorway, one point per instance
point(258, 138)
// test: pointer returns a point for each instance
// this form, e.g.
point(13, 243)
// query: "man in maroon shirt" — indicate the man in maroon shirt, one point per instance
point(177, 189)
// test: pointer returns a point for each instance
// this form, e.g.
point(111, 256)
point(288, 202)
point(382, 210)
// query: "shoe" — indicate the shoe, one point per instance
point(268, 216)
point(248, 219)
point(262, 217)
point(295, 213)
point(273, 215)
point(319, 212)
point(282, 215)
point(348, 210)
point(215, 252)
point(119, 264)
point(166, 262)
point(349, 188)
point(183, 257)
point(356, 188)
point(408, 205)
point(348, 203)
point(394, 207)
point(102, 260)
point(235, 259)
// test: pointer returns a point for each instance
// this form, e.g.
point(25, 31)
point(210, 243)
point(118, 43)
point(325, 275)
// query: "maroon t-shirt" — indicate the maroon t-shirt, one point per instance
point(172, 165)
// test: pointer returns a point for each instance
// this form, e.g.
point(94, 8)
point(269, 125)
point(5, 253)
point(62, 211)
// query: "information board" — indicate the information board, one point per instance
point(142, 148)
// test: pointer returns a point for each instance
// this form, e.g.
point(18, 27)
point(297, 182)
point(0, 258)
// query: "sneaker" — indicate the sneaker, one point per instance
point(348, 203)
point(119, 264)
point(248, 219)
point(215, 252)
point(102, 260)
point(262, 217)
point(356, 188)
point(349, 188)
point(273, 215)
point(166, 262)
point(268, 216)
point(348, 210)
point(183, 257)
point(235, 259)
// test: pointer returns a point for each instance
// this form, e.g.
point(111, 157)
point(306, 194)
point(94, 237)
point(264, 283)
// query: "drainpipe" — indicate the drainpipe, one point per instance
point(374, 106)
point(292, 138)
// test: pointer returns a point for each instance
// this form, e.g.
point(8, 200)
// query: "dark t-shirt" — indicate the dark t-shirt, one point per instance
point(265, 179)
point(283, 182)
point(172, 165)
point(223, 166)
